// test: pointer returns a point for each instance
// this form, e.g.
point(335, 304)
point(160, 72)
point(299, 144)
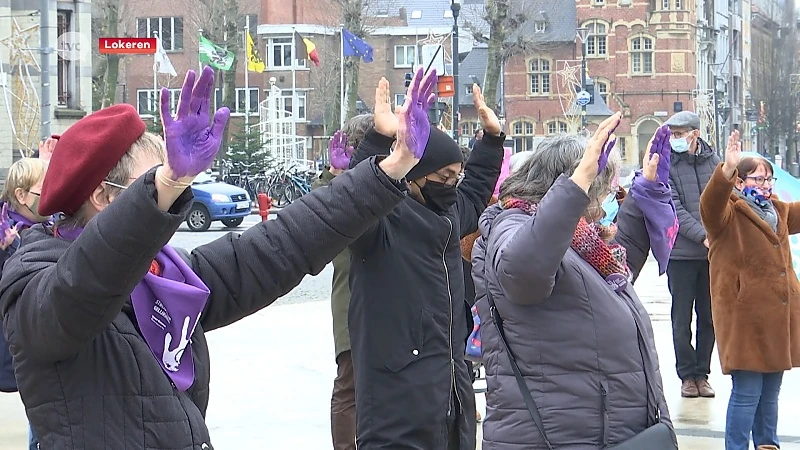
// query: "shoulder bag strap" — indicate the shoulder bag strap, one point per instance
point(649, 373)
point(523, 387)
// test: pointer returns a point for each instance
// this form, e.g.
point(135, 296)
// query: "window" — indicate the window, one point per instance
point(599, 2)
point(540, 27)
point(678, 4)
point(299, 112)
point(557, 127)
point(147, 103)
point(280, 52)
point(469, 128)
point(522, 133)
point(169, 29)
point(405, 55)
point(241, 100)
point(601, 89)
point(623, 147)
point(641, 55)
point(469, 89)
point(665, 4)
point(67, 80)
point(597, 39)
point(539, 72)
point(399, 99)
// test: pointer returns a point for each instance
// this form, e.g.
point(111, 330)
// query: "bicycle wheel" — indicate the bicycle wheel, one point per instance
point(279, 195)
point(292, 193)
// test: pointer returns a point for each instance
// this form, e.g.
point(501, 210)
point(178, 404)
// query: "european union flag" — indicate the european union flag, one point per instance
point(355, 46)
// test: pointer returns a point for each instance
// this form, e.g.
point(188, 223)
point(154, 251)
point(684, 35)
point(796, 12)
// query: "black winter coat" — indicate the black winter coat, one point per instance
point(407, 314)
point(87, 378)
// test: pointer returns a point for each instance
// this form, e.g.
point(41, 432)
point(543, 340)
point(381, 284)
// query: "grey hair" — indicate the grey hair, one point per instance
point(148, 145)
point(555, 156)
point(356, 128)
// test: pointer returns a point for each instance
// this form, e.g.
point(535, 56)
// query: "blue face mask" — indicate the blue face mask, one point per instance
point(680, 145)
point(757, 194)
point(611, 208)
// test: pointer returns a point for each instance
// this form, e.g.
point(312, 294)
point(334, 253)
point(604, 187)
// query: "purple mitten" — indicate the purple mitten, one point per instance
point(602, 161)
point(416, 117)
point(338, 151)
point(5, 222)
point(192, 144)
point(662, 147)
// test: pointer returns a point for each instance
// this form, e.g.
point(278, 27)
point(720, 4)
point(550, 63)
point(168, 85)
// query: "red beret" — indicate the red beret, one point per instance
point(87, 152)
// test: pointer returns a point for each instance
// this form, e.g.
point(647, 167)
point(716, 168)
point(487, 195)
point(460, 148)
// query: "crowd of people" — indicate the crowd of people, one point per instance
point(536, 255)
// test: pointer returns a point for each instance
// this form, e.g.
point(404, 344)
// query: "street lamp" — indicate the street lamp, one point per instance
point(455, 7)
point(583, 34)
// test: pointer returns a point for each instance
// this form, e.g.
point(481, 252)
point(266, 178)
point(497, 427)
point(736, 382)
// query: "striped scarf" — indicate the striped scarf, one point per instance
point(609, 260)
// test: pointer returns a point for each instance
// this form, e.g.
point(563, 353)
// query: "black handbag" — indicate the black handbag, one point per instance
point(656, 437)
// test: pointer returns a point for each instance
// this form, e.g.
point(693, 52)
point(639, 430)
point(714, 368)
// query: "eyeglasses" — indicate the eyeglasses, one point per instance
point(38, 194)
point(449, 181)
point(761, 180)
point(115, 185)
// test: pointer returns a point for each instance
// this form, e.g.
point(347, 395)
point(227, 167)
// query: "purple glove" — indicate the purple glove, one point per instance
point(192, 145)
point(338, 151)
point(661, 146)
point(5, 222)
point(602, 161)
point(419, 100)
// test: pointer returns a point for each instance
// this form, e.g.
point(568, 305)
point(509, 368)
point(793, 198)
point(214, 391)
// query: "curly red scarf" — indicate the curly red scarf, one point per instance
point(609, 260)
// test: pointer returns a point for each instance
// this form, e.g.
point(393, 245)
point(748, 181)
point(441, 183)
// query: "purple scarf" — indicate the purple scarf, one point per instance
point(660, 218)
point(18, 218)
point(167, 309)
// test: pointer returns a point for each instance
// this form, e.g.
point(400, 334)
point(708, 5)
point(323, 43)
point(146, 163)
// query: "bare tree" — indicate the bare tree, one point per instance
point(326, 81)
point(105, 67)
point(783, 104)
point(503, 28)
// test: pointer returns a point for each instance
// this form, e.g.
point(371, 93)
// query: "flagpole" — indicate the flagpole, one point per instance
point(341, 72)
point(199, 63)
point(294, 92)
point(155, 76)
point(246, 80)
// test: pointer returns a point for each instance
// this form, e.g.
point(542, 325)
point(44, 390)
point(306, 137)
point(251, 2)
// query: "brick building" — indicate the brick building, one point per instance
point(640, 57)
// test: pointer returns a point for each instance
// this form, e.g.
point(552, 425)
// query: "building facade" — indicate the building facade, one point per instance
point(70, 87)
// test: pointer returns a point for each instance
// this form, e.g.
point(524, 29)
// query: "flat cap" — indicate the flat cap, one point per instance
point(84, 156)
point(684, 119)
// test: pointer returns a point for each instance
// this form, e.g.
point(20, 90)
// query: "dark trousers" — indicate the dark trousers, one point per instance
point(689, 285)
point(343, 404)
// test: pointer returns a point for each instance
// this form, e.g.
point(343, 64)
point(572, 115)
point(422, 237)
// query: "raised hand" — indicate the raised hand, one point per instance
point(733, 154)
point(385, 120)
point(339, 152)
point(192, 144)
point(659, 145)
point(8, 233)
point(650, 166)
point(489, 120)
point(46, 148)
point(595, 158)
point(413, 115)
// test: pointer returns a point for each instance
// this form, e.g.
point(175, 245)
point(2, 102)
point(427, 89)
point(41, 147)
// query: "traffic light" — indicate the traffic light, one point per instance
point(409, 78)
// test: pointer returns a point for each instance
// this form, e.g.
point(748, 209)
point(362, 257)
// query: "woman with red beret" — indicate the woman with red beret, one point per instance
point(106, 322)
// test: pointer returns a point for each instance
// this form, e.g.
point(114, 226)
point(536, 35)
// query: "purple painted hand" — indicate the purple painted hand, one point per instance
point(662, 147)
point(611, 141)
point(338, 151)
point(414, 112)
point(192, 144)
point(7, 233)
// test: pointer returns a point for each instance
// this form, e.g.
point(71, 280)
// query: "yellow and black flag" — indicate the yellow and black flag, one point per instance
point(254, 61)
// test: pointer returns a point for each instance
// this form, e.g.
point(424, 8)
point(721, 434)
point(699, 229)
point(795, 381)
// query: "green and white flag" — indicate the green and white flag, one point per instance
point(214, 56)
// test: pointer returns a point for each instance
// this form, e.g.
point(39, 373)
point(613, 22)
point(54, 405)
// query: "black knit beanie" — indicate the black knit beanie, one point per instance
point(441, 151)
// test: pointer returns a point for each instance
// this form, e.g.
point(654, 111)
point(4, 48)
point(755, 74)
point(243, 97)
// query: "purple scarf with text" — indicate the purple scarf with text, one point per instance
point(167, 306)
point(654, 199)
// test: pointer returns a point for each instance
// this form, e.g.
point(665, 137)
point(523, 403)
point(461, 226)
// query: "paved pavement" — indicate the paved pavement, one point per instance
point(283, 400)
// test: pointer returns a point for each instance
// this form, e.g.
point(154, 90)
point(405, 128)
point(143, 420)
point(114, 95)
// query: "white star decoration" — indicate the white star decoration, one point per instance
point(437, 39)
point(18, 46)
point(568, 85)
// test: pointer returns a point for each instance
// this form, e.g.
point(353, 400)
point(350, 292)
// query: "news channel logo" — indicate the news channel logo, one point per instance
point(73, 46)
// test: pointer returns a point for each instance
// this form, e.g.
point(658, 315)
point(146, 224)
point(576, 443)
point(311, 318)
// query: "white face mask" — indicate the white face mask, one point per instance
point(680, 145)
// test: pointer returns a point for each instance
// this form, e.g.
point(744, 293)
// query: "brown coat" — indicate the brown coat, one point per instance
point(469, 240)
point(755, 293)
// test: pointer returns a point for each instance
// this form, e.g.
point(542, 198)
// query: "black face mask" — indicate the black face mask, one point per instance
point(438, 196)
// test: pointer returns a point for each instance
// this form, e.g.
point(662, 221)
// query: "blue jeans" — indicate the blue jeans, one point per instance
point(33, 443)
point(753, 408)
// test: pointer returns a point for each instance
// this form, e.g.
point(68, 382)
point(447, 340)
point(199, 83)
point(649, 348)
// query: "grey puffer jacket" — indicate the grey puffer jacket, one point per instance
point(688, 176)
point(574, 338)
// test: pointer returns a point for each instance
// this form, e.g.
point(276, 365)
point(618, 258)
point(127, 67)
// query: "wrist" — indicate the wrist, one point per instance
point(166, 172)
point(582, 182)
point(728, 171)
point(394, 167)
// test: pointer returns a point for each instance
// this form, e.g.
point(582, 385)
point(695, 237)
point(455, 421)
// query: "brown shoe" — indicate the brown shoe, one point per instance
point(689, 389)
point(478, 417)
point(704, 389)
point(767, 447)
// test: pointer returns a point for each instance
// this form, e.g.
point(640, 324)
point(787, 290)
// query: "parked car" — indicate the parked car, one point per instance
point(215, 201)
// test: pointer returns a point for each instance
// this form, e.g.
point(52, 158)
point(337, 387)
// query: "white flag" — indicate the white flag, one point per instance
point(161, 63)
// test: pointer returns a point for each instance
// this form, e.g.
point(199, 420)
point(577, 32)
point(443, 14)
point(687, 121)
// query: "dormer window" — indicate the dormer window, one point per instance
point(540, 26)
point(416, 14)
